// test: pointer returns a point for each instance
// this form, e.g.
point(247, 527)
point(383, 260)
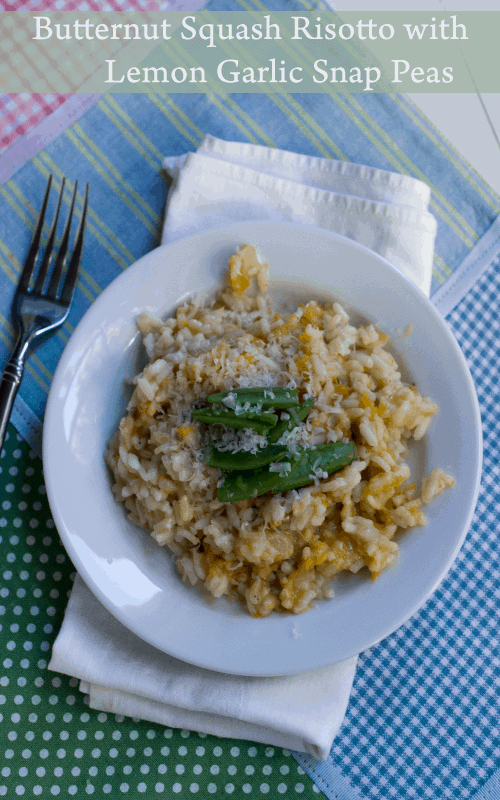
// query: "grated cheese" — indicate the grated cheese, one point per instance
point(283, 467)
point(229, 440)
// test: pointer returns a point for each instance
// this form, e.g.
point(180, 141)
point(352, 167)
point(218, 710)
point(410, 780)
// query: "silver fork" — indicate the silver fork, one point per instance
point(40, 309)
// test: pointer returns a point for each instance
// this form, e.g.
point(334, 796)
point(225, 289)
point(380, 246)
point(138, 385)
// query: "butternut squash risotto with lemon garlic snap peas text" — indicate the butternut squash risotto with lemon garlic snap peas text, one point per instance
point(267, 451)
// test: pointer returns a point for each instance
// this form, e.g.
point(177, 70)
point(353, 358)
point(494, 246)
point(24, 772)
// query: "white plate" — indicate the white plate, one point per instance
point(132, 576)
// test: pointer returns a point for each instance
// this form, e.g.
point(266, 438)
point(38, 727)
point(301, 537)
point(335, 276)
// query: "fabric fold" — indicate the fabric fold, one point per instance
point(125, 675)
point(325, 173)
point(223, 183)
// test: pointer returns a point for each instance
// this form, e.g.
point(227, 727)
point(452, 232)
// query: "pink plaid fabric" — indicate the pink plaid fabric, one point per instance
point(21, 112)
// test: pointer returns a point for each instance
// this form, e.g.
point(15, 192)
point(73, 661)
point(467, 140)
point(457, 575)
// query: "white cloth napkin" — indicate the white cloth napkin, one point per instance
point(227, 182)
point(222, 183)
point(124, 675)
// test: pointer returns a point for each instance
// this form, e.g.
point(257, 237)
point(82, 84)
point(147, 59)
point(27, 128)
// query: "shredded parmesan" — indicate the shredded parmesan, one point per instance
point(229, 440)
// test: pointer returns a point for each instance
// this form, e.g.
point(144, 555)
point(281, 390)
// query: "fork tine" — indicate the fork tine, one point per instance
point(29, 266)
point(63, 249)
point(42, 272)
point(74, 264)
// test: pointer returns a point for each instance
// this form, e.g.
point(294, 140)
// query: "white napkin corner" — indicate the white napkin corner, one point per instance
point(228, 182)
point(122, 674)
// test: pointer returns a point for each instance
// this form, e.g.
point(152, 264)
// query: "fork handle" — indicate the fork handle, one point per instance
point(11, 380)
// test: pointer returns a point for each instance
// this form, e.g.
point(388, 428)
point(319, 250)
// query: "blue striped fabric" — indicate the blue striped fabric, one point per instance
point(118, 147)
point(423, 717)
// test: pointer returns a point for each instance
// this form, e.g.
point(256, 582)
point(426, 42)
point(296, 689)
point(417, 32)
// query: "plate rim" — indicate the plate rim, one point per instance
point(51, 413)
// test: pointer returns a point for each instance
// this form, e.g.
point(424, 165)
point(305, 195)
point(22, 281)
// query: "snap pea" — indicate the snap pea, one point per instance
point(264, 397)
point(329, 458)
point(244, 460)
point(326, 457)
point(259, 422)
point(244, 485)
point(289, 424)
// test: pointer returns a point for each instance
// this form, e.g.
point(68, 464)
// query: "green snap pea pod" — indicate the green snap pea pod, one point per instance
point(327, 457)
point(245, 461)
point(260, 423)
point(289, 424)
point(272, 397)
point(335, 455)
point(299, 475)
point(244, 485)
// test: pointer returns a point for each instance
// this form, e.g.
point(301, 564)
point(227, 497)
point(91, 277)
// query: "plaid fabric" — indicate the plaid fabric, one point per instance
point(21, 112)
point(423, 718)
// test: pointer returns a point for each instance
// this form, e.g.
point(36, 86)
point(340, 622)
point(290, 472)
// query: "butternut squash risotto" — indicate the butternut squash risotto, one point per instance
point(276, 551)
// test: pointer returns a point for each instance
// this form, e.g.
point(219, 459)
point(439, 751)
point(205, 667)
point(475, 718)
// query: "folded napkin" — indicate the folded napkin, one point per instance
point(124, 675)
point(227, 182)
point(223, 183)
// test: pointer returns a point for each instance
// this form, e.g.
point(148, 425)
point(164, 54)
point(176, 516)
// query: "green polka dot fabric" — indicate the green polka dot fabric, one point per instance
point(51, 743)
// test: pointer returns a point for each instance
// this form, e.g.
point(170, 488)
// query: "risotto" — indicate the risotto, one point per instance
point(275, 551)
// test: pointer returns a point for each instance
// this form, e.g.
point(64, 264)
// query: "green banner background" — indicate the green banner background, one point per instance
point(393, 51)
